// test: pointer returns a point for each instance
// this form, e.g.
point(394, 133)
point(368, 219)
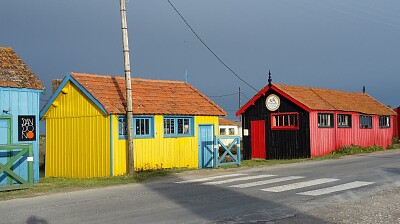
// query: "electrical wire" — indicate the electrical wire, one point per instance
point(245, 96)
point(212, 52)
point(232, 94)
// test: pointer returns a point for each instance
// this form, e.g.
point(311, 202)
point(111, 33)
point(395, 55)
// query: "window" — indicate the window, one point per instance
point(222, 131)
point(231, 131)
point(122, 129)
point(344, 120)
point(365, 121)
point(325, 120)
point(285, 121)
point(178, 126)
point(384, 121)
point(143, 127)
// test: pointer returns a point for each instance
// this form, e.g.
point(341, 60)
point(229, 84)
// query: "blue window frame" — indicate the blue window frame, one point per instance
point(122, 130)
point(143, 127)
point(178, 126)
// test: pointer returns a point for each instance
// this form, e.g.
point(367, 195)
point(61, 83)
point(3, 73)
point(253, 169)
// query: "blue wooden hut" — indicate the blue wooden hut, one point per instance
point(19, 122)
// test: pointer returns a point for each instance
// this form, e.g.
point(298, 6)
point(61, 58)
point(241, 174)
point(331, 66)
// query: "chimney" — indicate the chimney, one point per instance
point(363, 89)
point(269, 78)
point(54, 84)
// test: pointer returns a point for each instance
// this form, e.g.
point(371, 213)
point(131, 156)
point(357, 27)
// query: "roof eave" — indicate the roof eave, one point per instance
point(262, 93)
point(66, 79)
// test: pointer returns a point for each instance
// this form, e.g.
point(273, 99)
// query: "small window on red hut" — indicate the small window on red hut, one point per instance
point(285, 121)
point(384, 121)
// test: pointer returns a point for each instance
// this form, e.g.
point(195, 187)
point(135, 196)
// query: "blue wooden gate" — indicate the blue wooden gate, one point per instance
point(227, 151)
point(206, 145)
point(16, 168)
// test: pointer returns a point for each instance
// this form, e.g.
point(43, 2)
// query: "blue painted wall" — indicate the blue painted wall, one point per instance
point(22, 102)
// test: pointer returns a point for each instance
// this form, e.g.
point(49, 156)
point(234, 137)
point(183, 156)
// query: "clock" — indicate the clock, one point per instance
point(272, 102)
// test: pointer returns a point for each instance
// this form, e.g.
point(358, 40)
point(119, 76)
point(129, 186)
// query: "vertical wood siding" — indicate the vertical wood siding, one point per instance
point(159, 152)
point(396, 124)
point(280, 144)
point(22, 102)
point(326, 140)
point(77, 137)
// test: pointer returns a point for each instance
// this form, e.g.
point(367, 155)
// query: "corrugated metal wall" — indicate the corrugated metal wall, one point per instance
point(77, 137)
point(159, 152)
point(326, 140)
point(22, 102)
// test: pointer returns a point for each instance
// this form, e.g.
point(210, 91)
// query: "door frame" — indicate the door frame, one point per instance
point(263, 154)
point(9, 118)
point(201, 150)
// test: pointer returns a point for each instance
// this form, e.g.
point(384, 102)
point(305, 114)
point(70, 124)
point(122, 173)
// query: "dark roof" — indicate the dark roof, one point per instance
point(15, 73)
point(325, 99)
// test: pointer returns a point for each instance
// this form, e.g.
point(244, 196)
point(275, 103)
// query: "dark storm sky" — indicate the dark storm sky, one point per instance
point(335, 44)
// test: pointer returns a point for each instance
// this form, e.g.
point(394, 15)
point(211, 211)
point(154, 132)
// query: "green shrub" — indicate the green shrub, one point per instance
point(355, 149)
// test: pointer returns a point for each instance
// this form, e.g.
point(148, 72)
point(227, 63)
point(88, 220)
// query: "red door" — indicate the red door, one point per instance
point(258, 150)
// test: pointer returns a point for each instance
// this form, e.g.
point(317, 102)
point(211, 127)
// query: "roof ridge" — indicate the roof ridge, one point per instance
point(366, 94)
point(320, 88)
point(312, 89)
point(122, 77)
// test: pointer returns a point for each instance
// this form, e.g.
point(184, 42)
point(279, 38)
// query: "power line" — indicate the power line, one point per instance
point(245, 96)
point(224, 95)
point(216, 56)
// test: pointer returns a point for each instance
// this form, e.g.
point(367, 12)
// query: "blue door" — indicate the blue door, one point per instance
point(206, 145)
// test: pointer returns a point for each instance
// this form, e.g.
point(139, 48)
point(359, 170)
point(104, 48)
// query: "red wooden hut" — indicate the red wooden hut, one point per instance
point(285, 122)
point(396, 124)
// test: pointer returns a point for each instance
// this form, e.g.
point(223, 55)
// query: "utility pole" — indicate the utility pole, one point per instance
point(240, 104)
point(127, 68)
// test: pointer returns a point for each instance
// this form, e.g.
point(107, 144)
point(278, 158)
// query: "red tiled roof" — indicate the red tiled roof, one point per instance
point(326, 99)
point(224, 121)
point(15, 73)
point(148, 96)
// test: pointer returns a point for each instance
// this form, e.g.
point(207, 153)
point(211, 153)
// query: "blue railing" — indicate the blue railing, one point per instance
point(226, 150)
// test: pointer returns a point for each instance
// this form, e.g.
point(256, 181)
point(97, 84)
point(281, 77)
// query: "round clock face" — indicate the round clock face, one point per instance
point(273, 102)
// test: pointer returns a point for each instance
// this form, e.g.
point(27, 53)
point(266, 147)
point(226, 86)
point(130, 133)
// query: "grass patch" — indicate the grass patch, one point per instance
point(395, 144)
point(54, 185)
point(355, 149)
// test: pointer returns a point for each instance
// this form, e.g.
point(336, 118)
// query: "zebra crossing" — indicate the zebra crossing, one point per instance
point(299, 183)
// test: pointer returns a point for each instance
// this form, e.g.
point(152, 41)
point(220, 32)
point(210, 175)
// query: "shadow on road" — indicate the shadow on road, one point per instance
point(36, 220)
point(221, 204)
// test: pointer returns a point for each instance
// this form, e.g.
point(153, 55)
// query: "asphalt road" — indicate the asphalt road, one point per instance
point(354, 189)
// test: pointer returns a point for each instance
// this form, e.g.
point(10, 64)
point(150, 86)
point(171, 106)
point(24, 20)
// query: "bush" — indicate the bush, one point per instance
point(356, 149)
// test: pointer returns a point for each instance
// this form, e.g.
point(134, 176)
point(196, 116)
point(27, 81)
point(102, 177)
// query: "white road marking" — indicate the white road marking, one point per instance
point(210, 178)
point(309, 183)
point(239, 179)
point(264, 182)
point(337, 188)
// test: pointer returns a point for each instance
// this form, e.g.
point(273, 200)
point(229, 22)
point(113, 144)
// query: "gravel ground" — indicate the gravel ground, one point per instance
point(383, 207)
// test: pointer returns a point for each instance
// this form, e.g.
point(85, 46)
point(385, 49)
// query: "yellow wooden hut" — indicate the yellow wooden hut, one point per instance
point(174, 126)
